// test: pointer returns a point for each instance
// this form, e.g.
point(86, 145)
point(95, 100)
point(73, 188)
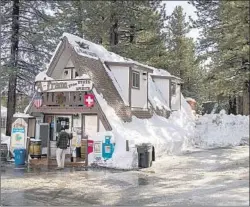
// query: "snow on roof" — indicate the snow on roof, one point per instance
point(83, 76)
point(190, 99)
point(95, 49)
point(161, 72)
point(42, 76)
point(21, 115)
point(3, 111)
point(103, 54)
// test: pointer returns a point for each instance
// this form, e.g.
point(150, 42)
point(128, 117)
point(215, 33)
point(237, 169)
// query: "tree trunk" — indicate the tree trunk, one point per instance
point(232, 105)
point(80, 19)
point(113, 27)
point(13, 66)
point(245, 97)
point(132, 33)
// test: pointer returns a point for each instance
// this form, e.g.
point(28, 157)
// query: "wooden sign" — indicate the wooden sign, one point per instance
point(64, 85)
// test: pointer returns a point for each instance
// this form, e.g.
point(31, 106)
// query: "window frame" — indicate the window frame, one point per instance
point(136, 73)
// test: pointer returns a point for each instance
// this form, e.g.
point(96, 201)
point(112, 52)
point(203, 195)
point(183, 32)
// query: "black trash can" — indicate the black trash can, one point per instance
point(144, 155)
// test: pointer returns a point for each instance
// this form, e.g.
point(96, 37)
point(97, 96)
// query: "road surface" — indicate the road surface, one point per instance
point(211, 177)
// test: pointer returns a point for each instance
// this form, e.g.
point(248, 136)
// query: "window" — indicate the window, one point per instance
point(135, 79)
point(66, 72)
point(173, 89)
point(76, 74)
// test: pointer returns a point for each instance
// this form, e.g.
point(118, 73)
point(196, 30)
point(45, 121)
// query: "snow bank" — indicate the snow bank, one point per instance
point(5, 140)
point(190, 99)
point(22, 115)
point(222, 130)
point(168, 136)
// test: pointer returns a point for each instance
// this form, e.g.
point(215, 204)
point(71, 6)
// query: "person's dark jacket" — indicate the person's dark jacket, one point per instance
point(63, 139)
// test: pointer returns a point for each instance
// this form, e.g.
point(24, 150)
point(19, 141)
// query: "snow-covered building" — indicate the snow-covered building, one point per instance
point(95, 92)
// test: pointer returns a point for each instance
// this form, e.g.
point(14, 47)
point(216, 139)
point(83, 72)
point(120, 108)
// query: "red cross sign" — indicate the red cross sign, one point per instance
point(89, 100)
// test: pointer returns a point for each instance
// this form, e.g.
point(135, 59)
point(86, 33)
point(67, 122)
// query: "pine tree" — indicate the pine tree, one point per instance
point(131, 29)
point(182, 60)
point(26, 48)
point(225, 40)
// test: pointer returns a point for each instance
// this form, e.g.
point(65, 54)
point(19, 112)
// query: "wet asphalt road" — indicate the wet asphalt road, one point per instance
point(212, 177)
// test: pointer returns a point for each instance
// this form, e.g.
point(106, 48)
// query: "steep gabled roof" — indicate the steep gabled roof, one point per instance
point(92, 59)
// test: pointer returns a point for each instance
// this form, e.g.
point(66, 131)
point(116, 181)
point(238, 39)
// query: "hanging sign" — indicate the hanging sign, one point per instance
point(89, 100)
point(64, 85)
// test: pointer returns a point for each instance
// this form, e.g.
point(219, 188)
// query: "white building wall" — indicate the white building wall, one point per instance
point(101, 127)
point(91, 125)
point(69, 64)
point(139, 97)
point(121, 74)
point(67, 76)
point(163, 86)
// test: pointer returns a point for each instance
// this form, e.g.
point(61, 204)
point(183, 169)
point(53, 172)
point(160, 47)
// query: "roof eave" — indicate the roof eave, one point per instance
point(115, 63)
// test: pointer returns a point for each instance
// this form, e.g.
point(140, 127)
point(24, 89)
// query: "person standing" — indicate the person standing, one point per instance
point(62, 144)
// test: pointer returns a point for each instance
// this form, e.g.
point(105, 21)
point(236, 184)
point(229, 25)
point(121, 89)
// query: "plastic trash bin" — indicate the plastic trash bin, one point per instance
point(144, 155)
point(20, 155)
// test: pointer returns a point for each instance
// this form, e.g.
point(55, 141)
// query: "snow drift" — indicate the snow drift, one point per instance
point(168, 136)
point(222, 130)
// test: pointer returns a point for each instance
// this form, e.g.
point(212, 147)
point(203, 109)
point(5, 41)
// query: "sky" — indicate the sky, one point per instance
point(188, 9)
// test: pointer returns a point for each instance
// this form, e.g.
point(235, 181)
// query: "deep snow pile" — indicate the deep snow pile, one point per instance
point(221, 130)
point(169, 136)
point(5, 140)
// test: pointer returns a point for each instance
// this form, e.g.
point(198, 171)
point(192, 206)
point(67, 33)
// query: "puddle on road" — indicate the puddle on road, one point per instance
point(143, 181)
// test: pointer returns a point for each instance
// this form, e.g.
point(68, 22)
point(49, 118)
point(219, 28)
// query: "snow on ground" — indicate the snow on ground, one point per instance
point(218, 177)
point(222, 130)
point(5, 140)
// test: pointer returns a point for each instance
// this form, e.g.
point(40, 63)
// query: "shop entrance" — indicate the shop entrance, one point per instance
point(82, 127)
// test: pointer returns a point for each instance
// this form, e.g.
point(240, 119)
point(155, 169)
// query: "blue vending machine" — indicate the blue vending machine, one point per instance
point(107, 148)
